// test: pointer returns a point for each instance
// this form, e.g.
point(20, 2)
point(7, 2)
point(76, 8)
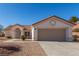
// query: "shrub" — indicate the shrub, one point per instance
point(23, 37)
point(8, 48)
point(9, 37)
point(75, 37)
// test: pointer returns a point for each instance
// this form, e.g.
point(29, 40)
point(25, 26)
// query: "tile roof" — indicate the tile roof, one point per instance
point(9, 27)
point(56, 17)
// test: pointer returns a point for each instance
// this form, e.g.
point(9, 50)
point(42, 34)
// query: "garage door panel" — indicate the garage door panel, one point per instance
point(51, 34)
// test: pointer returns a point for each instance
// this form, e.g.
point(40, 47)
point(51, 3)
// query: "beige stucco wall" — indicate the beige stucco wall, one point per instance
point(13, 30)
point(34, 33)
point(74, 27)
point(8, 33)
point(59, 24)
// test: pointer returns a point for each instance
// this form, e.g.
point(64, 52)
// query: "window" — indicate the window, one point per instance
point(52, 22)
point(27, 33)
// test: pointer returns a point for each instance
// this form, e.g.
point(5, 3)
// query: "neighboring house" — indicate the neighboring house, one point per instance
point(50, 29)
point(75, 29)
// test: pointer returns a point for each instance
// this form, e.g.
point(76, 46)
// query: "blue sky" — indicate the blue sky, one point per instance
point(27, 14)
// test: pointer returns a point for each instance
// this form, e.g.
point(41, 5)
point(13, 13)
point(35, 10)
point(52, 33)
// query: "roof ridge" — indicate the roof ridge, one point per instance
point(56, 17)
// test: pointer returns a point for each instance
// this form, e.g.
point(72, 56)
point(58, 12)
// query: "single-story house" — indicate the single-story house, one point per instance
point(52, 28)
point(75, 29)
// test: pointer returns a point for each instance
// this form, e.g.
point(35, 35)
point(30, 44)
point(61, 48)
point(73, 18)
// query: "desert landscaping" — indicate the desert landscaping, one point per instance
point(21, 48)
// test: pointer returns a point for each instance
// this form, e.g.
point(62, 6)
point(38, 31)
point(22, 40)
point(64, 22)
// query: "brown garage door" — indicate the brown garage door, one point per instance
point(51, 34)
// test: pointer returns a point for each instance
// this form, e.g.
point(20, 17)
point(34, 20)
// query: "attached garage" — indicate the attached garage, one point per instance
point(51, 34)
point(52, 29)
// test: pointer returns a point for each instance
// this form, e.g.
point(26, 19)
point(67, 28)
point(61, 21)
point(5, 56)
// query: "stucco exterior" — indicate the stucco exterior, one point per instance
point(11, 30)
point(48, 23)
point(75, 27)
point(59, 24)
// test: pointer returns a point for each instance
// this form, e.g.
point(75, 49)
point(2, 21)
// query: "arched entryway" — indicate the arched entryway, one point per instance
point(17, 33)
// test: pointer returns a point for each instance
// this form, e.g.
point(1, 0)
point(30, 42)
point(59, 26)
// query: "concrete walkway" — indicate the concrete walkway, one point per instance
point(60, 48)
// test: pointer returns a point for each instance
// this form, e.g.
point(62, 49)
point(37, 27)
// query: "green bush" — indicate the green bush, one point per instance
point(23, 37)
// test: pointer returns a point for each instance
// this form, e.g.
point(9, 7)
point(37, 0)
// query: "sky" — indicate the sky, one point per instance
point(29, 13)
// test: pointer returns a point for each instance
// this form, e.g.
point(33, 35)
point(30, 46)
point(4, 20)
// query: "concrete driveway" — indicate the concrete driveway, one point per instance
point(60, 48)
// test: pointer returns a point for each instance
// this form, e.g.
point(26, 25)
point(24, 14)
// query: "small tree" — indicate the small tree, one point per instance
point(74, 19)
